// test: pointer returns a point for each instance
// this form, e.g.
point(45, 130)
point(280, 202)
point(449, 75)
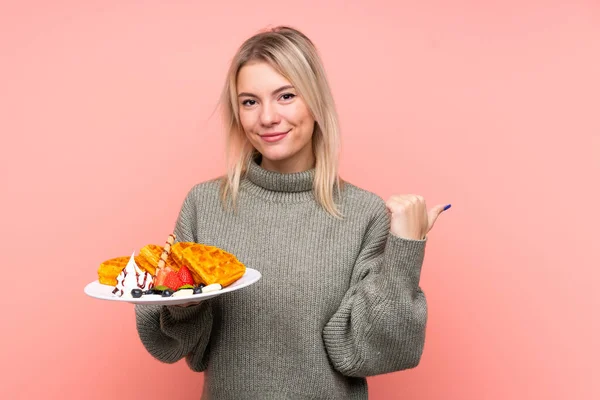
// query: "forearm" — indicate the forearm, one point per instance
point(380, 326)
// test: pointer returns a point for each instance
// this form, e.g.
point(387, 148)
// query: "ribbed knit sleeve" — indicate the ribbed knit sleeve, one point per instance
point(170, 333)
point(380, 324)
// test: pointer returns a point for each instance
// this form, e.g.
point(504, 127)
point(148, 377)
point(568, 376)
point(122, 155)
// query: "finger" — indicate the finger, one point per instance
point(394, 203)
point(434, 213)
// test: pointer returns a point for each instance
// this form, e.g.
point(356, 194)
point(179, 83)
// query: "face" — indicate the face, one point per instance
point(275, 119)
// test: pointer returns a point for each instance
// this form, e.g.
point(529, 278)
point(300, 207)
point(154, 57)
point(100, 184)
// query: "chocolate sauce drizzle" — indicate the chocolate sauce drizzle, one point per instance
point(137, 281)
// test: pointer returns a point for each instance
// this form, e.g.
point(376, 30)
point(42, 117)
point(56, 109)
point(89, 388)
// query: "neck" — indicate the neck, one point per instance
point(279, 186)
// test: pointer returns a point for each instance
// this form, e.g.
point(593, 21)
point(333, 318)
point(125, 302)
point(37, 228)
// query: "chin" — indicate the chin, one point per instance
point(275, 155)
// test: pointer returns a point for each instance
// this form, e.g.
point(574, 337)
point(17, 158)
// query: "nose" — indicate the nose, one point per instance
point(269, 115)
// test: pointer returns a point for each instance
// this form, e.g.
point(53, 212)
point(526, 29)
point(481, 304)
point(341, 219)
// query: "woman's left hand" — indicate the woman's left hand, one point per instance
point(410, 218)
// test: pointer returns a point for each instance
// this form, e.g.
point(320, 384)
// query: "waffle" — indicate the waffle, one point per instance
point(177, 253)
point(148, 258)
point(110, 269)
point(210, 264)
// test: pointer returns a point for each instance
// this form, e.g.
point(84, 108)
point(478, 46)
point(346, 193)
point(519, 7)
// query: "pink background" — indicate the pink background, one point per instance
point(106, 115)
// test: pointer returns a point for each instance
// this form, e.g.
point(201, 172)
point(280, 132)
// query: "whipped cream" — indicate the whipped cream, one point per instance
point(132, 277)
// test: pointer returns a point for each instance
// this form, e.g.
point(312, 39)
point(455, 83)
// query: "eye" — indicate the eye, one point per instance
point(287, 96)
point(248, 102)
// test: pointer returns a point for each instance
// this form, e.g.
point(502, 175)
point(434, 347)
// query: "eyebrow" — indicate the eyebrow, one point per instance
point(281, 89)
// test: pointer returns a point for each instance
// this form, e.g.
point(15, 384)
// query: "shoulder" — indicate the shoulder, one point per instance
point(208, 186)
point(204, 191)
point(359, 200)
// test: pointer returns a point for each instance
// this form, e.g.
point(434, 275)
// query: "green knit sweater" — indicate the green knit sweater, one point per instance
point(339, 299)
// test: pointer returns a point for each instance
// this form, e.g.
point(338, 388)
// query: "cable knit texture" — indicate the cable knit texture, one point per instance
point(339, 299)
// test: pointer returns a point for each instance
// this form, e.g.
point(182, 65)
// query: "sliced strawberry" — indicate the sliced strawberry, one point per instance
point(185, 275)
point(172, 281)
point(161, 275)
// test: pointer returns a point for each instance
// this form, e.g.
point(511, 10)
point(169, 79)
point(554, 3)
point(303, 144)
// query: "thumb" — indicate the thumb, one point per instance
point(434, 213)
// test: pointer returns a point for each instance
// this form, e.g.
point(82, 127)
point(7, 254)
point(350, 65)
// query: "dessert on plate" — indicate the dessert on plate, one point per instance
point(180, 269)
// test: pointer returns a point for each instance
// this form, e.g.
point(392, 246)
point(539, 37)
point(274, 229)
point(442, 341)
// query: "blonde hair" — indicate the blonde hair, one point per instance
point(294, 56)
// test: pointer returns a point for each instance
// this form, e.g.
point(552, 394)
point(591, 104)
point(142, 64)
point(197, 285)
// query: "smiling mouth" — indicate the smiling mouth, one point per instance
point(274, 137)
point(266, 135)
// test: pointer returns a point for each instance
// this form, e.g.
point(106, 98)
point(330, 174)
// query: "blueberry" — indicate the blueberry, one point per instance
point(150, 291)
point(198, 289)
point(136, 293)
point(167, 293)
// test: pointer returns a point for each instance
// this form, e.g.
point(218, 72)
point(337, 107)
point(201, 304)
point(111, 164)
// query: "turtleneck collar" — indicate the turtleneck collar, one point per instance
point(279, 186)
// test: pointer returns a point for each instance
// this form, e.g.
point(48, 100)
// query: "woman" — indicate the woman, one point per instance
point(339, 298)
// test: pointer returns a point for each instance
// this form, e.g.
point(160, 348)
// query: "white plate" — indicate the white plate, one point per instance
point(104, 292)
